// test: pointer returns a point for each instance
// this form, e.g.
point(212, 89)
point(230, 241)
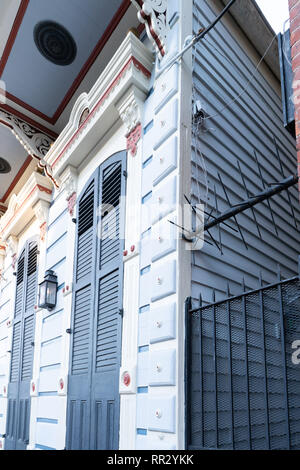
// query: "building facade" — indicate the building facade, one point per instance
point(111, 148)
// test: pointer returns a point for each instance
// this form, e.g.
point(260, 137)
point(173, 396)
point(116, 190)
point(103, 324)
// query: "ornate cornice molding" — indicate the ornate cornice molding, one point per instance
point(20, 209)
point(153, 13)
point(131, 65)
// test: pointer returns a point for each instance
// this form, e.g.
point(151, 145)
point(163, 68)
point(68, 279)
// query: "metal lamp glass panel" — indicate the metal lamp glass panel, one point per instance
point(48, 291)
point(51, 290)
point(42, 294)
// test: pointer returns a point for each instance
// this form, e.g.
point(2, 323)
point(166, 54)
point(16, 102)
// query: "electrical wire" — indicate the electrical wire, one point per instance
point(190, 42)
point(244, 89)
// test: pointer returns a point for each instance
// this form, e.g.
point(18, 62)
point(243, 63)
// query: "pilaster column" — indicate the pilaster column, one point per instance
point(130, 109)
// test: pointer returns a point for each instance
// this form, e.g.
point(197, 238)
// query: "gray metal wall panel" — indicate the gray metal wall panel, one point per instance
point(222, 69)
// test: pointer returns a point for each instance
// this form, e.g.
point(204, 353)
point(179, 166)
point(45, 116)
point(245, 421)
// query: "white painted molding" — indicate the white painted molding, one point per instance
point(20, 210)
point(153, 13)
point(130, 66)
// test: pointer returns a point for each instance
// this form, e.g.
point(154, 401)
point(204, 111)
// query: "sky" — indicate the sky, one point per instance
point(276, 12)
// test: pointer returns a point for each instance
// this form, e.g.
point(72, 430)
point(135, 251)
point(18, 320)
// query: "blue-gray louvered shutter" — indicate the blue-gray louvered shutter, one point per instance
point(28, 326)
point(22, 350)
point(78, 413)
point(85, 251)
point(20, 285)
point(108, 321)
point(108, 340)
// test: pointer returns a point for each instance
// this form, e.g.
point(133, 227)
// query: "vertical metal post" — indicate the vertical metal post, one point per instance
point(201, 372)
point(230, 369)
point(261, 304)
point(187, 367)
point(215, 362)
point(285, 376)
point(247, 366)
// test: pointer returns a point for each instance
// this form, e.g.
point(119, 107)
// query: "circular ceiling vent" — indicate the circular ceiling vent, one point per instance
point(55, 43)
point(4, 166)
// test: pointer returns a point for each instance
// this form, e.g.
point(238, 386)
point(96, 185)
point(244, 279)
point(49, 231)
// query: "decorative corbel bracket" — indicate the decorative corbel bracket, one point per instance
point(41, 210)
point(34, 142)
point(2, 260)
point(130, 110)
point(12, 245)
point(153, 13)
point(69, 184)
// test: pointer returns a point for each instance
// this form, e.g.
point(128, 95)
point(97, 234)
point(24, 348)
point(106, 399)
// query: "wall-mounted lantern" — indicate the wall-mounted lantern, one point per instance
point(48, 291)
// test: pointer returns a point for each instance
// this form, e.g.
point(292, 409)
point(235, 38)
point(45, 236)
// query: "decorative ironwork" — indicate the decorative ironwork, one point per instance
point(36, 143)
point(153, 13)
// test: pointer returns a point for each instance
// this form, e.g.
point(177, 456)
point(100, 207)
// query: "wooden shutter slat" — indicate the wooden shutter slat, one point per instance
point(81, 335)
point(15, 355)
point(27, 348)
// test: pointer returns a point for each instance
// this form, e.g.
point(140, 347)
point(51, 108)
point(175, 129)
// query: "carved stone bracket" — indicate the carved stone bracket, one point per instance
point(153, 13)
point(69, 184)
point(41, 210)
point(2, 260)
point(12, 245)
point(130, 110)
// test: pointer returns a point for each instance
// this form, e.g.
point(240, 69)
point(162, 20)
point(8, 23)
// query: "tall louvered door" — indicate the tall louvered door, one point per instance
point(107, 320)
point(78, 417)
point(18, 418)
point(93, 395)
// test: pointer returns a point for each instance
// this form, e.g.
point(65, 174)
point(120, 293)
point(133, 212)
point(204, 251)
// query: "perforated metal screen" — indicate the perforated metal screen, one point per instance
point(243, 389)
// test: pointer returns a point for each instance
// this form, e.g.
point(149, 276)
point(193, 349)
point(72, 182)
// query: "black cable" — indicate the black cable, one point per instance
point(213, 24)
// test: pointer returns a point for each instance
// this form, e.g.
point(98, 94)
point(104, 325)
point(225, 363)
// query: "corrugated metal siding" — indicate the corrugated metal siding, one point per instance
point(222, 69)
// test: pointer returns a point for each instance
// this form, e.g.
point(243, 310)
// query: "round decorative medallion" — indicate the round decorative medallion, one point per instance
point(55, 43)
point(4, 166)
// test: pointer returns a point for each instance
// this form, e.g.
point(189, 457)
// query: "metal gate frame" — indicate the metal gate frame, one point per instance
point(190, 420)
